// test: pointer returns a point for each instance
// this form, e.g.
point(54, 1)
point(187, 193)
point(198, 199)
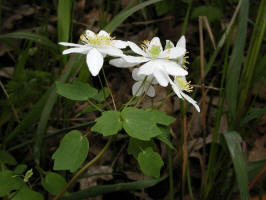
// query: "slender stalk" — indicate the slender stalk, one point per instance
point(104, 93)
point(12, 106)
point(106, 81)
point(95, 106)
point(83, 169)
point(171, 178)
point(203, 107)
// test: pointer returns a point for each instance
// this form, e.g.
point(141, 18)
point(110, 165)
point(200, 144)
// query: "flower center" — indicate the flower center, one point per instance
point(183, 84)
point(155, 51)
point(98, 40)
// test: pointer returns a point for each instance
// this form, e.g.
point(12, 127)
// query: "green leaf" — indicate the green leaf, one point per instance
point(108, 124)
point(20, 169)
point(233, 140)
point(90, 108)
point(212, 13)
point(7, 158)
point(72, 152)
point(161, 117)
point(150, 162)
point(253, 114)
point(64, 19)
point(135, 146)
point(28, 174)
point(8, 182)
point(163, 7)
point(164, 137)
point(118, 19)
point(118, 187)
point(33, 37)
point(254, 168)
point(139, 124)
point(76, 91)
point(102, 95)
point(236, 60)
point(53, 183)
point(27, 194)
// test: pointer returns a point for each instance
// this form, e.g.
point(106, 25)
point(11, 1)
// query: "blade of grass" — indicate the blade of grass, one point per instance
point(64, 23)
point(234, 67)
point(64, 19)
point(117, 20)
point(233, 140)
point(32, 37)
point(251, 59)
point(119, 187)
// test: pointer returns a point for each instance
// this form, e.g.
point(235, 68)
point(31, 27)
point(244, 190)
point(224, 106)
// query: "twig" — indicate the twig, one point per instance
point(206, 22)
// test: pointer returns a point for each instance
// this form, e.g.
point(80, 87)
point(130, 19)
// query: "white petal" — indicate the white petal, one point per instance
point(176, 89)
point(147, 68)
point(136, 76)
point(137, 88)
point(172, 67)
point(103, 33)
point(169, 44)
point(120, 62)
point(190, 100)
point(181, 42)
point(136, 48)
point(161, 77)
point(155, 42)
point(136, 59)
point(70, 44)
point(149, 89)
point(109, 50)
point(82, 50)
point(94, 61)
point(119, 44)
point(90, 33)
point(173, 53)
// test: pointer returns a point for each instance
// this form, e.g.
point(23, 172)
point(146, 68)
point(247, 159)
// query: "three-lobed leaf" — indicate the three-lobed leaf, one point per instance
point(72, 152)
point(139, 124)
point(108, 124)
point(135, 146)
point(77, 91)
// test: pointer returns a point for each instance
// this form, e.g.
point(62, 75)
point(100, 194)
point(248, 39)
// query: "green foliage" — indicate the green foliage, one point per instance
point(108, 124)
point(32, 37)
point(72, 152)
point(102, 95)
point(26, 194)
point(20, 169)
point(28, 175)
point(7, 158)
point(77, 91)
point(236, 60)
point(233, 142)
point(64, 19)
point(212, 13)
point(161, 117)
point(138, 124)
point(9, 182)
point(164, 137)
point(53, 182)
point(135, 146)
point(150, 162)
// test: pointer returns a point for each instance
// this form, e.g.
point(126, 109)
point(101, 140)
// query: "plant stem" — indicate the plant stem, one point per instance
point(109, 89)
point(171, 178)
point(83, 169)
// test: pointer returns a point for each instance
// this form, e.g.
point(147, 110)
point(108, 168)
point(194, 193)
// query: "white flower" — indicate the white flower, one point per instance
point(180, 44)
point(143, 84)
point(96, 46)
point(158, 62)
point(179, 85)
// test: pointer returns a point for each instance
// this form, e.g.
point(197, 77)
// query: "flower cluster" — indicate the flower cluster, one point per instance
point(157, 65)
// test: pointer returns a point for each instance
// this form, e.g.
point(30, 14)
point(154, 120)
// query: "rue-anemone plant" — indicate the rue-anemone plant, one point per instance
point(155, 65)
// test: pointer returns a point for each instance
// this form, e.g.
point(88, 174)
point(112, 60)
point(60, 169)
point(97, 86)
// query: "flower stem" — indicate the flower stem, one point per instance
point(109, 89)
point(83, 169)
